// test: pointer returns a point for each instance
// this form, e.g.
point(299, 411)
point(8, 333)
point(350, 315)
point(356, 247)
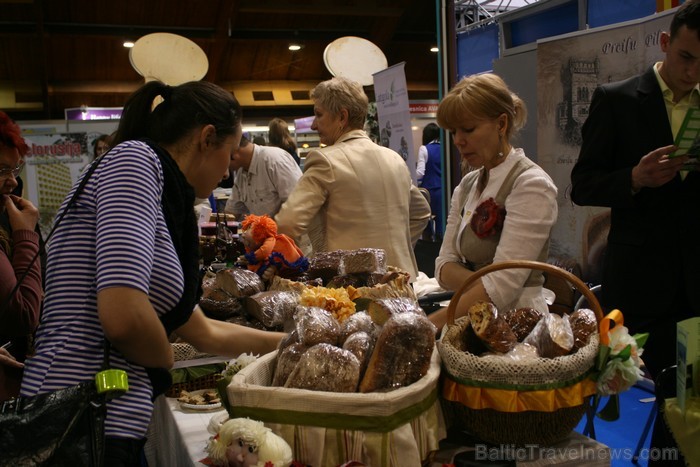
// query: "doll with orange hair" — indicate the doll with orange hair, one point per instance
point(267, 252)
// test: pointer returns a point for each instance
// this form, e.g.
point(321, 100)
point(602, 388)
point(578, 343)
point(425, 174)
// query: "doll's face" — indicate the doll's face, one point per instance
point(242, 454)
point(247, 239)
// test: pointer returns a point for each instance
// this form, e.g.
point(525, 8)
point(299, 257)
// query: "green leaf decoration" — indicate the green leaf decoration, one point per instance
point(641, 339)
point(611, 411)
point(602, 360)
point(625, 354)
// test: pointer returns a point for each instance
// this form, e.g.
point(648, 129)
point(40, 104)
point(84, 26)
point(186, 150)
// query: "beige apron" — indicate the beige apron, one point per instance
point(479, 252)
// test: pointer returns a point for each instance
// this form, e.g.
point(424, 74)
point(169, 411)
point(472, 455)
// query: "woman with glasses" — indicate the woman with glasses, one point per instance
point(19, 244)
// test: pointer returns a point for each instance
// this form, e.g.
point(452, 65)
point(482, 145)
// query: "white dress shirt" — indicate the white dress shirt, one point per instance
point(266, 184)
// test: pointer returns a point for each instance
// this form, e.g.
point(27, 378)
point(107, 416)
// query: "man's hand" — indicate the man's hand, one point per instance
point(656, 168)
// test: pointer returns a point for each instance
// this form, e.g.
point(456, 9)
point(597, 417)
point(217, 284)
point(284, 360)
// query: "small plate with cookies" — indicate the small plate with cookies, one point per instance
point(203, 399)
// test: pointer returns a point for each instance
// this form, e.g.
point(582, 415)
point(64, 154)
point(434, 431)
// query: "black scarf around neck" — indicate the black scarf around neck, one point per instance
point(178, 209)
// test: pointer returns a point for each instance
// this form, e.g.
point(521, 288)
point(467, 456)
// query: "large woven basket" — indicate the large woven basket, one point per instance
point(508, 402)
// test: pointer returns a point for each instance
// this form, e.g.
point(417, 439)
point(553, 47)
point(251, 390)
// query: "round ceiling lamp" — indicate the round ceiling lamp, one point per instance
point(169, 58)
point(354, 58)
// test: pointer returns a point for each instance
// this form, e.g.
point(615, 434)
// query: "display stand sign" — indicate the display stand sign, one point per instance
point(52, 166)
point(303, 125)
point(394, 115)
point(93, 113)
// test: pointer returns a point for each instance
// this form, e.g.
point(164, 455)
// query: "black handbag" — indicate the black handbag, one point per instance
point(64, 427)
point(61, 428)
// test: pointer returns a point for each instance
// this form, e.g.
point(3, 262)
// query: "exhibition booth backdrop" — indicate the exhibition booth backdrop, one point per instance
point(553, 54)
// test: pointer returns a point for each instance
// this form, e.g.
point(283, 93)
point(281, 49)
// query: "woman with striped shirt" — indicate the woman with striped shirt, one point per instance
point(123, 263)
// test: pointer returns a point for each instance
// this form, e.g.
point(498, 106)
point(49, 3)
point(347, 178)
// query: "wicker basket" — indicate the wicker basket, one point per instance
point(515, 403)
point(205, 382)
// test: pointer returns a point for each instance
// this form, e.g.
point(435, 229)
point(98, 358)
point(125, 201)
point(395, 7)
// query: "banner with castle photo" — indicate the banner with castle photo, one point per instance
point(393, 113)
point(568, 71)
point(52, 165)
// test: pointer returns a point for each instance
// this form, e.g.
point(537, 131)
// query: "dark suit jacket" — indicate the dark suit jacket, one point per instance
point(654, 239)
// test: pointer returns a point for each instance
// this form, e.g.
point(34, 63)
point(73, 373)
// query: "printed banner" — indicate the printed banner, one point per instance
point(393, 113)
point(52, 165)
point(568, 71)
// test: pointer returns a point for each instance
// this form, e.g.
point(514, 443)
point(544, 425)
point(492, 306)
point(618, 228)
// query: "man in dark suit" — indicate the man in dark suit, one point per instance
point(652, 264)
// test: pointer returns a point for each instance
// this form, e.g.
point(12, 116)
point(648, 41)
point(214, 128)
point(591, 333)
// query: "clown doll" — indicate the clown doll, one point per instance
point(267, 252)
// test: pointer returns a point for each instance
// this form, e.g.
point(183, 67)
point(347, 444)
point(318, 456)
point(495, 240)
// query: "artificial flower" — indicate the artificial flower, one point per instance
point(617, 365)
point(237, 364)
point(618, 361)
point(618, 376)
point(488, 219)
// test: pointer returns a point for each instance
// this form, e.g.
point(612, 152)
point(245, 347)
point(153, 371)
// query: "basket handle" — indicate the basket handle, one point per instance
point(526, 264)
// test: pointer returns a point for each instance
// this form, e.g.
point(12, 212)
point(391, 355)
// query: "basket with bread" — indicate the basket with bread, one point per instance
point(367, 377)
point(519, 376)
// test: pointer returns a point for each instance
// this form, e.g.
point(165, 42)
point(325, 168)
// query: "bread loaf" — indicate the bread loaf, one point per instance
point(272, 308)
point(522, 321)
point(315, 326)
point(347, 280)
point(287, 360)
point(239, 282)
point(491, 328)
point(402, 353)
point(380, 310)
point(357, 322)
point(363, 260)
point(583, 324)
point(221, 306)
point(325, 265)
point(325, 367)
point(360, 344)
point(552, 336)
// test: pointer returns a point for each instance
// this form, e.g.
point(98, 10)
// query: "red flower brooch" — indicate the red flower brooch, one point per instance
point(488, 219)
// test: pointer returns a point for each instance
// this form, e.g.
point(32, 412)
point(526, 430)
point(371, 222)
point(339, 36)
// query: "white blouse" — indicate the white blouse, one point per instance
point(531, 211)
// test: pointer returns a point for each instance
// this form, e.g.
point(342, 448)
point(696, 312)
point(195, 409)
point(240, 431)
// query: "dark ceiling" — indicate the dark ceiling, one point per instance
point(57, 54)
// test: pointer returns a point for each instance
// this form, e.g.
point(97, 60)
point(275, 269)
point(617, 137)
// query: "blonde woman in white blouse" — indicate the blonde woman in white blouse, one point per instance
point(502, 211)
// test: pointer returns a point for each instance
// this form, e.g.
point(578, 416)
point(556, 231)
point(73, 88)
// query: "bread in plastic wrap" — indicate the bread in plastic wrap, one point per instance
point(361, 345)
point(360, 321)
point(583, 323)
point(239, 282)
point(491, 328)
point(552, 336)
point(315, 326)
point(380, 310)
point(325, 265)
point(401, 355)
point(522, 321)
point(290, 338)
point(347, 280)
point(394, 283)
point(521, 352)
point(221, 305)
point(325, 367)
point(363, 260)
point(287, 360)
point(273, 308)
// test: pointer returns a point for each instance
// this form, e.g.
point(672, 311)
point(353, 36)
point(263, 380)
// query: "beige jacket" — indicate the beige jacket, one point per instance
point(357, 194)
